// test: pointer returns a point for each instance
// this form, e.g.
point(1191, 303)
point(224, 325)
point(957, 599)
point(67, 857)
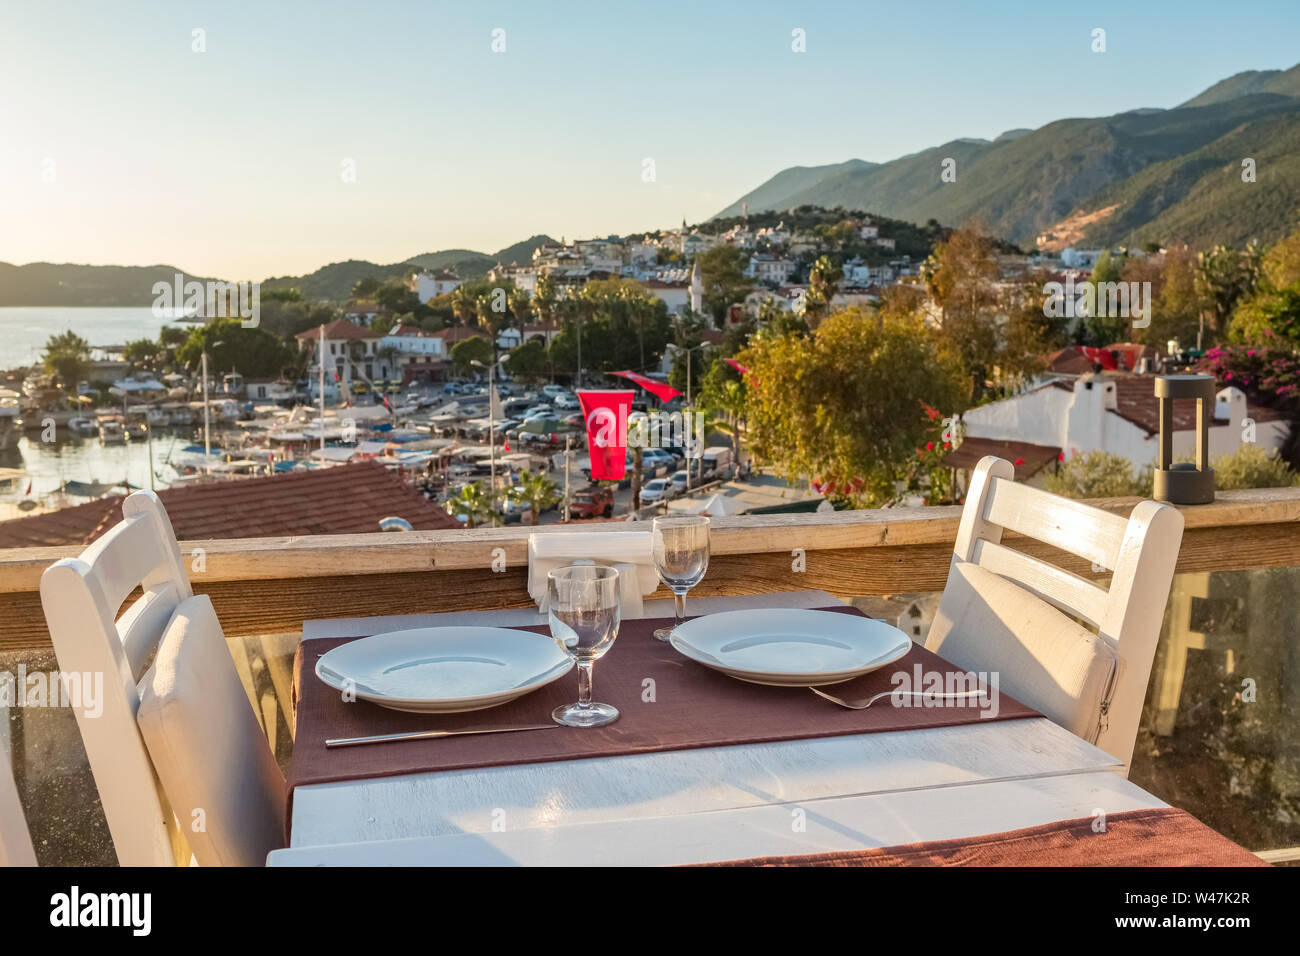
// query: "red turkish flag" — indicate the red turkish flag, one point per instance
point(737, 366)
point(606, 412)
point(665, 393)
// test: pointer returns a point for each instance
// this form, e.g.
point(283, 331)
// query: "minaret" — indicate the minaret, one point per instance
point(697, 289)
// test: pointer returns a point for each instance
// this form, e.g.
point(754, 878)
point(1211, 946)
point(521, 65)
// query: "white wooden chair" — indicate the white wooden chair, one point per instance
point(1007, 612)
point(204, 750)
point(15, 841)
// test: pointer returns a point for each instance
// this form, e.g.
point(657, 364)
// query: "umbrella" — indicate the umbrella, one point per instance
point(721, 506)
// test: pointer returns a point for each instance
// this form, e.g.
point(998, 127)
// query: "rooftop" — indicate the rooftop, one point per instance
point(346, 499)
point(339, 329)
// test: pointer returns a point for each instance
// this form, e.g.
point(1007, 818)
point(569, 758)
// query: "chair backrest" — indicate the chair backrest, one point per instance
point(81, 597)
point(1140, 551)
point(15, 841)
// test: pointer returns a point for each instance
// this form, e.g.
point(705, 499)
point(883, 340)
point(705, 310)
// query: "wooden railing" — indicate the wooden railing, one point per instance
point(271, 585)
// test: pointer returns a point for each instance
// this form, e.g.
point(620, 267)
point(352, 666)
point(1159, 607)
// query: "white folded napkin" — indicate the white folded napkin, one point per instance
point(627, 551)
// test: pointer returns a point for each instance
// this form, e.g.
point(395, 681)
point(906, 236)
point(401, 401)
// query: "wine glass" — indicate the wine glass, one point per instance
point(681, 550)
point(582, 601)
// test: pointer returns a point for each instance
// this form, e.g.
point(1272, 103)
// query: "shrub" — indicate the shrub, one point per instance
point(1100, 474)
point(1252, 466)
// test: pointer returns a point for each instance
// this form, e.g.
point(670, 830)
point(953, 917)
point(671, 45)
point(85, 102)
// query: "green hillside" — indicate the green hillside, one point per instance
point(66, 284)
point(335, 281)
point(1285, 82)
point(1024, 183)
point(1200, 198)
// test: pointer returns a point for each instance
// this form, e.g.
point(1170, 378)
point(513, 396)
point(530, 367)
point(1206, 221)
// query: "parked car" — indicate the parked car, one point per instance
point(567, 401)
point(659, 456)
point(660, 489)
point(553, 391)
point(591, 502)
point(678, 478)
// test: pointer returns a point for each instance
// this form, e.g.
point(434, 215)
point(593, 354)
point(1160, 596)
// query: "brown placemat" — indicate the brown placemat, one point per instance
point(687, 705)
point(1159, 837)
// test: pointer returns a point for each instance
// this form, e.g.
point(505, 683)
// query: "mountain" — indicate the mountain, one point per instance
point(66, 284)
point(1143, 175)
point(1285, 82)
point(335, 280)
point(50, 284)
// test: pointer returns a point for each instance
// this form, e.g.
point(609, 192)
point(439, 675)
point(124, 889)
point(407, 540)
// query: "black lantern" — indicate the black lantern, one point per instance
point(1185, 483)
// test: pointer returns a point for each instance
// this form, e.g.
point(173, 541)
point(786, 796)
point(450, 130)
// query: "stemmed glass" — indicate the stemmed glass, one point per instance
point(584, 611)
point(681, 550)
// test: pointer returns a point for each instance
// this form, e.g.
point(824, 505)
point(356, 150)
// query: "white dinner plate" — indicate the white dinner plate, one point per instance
point(444, 670)
point(787, 647)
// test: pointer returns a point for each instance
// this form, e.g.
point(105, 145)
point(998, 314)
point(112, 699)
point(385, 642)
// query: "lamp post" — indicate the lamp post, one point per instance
point(1184, 483)
point(686, 423)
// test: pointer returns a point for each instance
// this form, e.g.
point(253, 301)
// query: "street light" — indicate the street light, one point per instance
point(686, 424)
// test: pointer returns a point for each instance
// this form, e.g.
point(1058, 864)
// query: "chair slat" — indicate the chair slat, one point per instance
point(1065, 591)
point(1082, 530)
point(123, 557)
point(143, 623)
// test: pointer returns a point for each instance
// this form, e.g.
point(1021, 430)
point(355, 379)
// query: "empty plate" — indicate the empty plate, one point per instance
point(787, 647)
point(444, 670)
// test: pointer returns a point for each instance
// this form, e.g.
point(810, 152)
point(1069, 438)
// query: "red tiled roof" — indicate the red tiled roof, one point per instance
point(345, 499)
point(1027, 459)
point(339, 329)
point(1069, 361)
point(1136, 402)
point(458, 332)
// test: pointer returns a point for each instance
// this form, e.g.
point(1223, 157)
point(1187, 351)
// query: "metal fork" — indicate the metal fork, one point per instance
point(867, 702)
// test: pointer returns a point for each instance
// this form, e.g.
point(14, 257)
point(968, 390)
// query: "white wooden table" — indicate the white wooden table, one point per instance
point(707, 804)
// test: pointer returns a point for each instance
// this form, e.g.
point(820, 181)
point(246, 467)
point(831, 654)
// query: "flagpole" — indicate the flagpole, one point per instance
point(321, 363)
point(207, 445)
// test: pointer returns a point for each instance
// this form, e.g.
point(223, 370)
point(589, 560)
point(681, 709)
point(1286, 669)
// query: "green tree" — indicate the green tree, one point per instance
point(537, 491)
point(141, 352)
point(472, 502)
point(722, 275)
point(520, 307)
point(1100, 327)
point(528, 360)
point(67, 357)
point(544, 297)
point(998, 333)
point(848, 404)
point(466, 351)
point(365, 288)
point(1223, 276)
point(172, 336)
point(823, 282)
point(253, 352)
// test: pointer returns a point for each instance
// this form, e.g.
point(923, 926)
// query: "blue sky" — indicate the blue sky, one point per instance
point(230, 161)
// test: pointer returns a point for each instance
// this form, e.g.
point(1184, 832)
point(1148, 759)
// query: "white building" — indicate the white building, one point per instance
point(1073, 258)
point(1115, 413)
point(769, 268)
point(429, 285)
point(675, 295)
point(350, 352)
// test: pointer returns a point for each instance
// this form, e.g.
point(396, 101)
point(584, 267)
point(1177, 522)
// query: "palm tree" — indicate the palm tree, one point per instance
point(463, 305)
point(544, 297)
point(535, 490)
point(823, 281)
point(472, 502)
